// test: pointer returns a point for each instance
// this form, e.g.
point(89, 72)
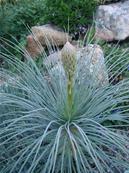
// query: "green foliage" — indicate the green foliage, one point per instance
point(14, 18)
point(61, 12)
point(3, 2)
point(37, 137)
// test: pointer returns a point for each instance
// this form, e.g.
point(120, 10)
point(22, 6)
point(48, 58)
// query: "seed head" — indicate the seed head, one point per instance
point(68, 57)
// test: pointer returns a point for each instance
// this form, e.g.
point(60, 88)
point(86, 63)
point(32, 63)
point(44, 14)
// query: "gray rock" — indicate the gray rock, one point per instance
point(1, 82)
point(112, 21)
point(90, 66)
point(52, 59)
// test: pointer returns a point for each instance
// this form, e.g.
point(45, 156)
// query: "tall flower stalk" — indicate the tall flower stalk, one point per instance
point(68, 57)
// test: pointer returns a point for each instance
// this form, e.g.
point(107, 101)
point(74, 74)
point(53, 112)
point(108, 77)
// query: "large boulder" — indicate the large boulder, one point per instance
point(112, 21)
point(48, 34)
point(42, 36)
point(90, 65)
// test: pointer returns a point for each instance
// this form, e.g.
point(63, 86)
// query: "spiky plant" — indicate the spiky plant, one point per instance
point(50, 125)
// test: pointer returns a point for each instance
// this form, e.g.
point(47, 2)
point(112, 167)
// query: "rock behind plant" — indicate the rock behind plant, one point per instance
point(43, 36)
point(91, 65)
point(112, 21)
